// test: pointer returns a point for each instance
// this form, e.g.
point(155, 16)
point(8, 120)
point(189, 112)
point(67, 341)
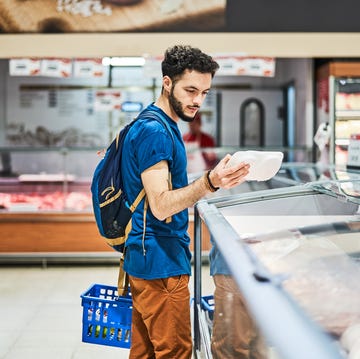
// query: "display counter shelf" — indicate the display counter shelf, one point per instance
point(44, 232)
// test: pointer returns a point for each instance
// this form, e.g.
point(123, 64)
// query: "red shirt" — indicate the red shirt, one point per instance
point(203, 139)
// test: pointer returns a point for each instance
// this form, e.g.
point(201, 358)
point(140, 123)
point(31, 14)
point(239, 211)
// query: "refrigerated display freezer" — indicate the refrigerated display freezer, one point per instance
point(237, 221)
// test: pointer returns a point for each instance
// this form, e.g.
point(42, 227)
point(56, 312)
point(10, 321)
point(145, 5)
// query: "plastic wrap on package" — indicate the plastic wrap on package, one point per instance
point(320, 276)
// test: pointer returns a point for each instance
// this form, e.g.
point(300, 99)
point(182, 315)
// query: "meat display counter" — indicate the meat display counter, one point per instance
point(48, 218)
point(294, 255)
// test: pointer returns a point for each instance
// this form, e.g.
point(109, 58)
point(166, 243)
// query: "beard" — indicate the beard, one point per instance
point(178, 108)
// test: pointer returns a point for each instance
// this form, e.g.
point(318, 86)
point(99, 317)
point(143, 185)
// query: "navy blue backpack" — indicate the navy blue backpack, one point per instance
point(112, 210)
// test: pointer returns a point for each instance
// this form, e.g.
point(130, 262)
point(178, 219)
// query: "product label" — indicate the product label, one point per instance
point(354, 151)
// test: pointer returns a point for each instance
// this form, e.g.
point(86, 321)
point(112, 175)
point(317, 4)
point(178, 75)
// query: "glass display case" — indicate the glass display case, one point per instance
point(45, 206)
point(293, 257)
point(46, 179)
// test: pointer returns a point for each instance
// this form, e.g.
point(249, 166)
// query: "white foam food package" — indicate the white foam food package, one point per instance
point(263, 164)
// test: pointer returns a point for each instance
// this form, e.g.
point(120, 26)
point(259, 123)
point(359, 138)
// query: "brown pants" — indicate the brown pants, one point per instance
point(234, 333)
point(161, 318)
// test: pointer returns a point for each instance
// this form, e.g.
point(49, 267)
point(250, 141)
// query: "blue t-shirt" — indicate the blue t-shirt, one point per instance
point(165, 250)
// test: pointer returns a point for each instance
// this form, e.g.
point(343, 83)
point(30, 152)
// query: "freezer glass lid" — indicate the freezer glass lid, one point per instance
point(319, 266)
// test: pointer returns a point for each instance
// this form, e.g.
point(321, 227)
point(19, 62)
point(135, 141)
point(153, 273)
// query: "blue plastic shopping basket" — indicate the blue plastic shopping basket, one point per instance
point(106, 316)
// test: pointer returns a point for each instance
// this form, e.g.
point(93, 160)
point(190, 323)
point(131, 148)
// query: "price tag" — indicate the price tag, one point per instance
point(354, 151)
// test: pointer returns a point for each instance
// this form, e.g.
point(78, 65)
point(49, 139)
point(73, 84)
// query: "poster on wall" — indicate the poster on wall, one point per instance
point(63, 16)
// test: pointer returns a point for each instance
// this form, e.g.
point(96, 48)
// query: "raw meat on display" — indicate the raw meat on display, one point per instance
point(77, 201)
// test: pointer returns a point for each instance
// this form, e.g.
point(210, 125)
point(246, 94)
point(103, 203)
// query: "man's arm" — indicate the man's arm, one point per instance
point(164, 202)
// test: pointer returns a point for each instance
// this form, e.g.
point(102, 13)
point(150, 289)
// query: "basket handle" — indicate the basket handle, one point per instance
point(123, 279)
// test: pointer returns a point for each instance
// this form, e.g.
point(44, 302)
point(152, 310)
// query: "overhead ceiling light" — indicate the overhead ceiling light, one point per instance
point(123, 61)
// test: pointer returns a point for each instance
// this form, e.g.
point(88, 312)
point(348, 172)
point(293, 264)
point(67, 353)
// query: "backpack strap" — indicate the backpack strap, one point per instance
point(138, 199)
point(158, 116)
point(169, 219)
point(146, 204)
point(123, 277)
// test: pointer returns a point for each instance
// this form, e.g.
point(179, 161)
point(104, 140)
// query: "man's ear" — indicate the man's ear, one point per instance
point(167, 83)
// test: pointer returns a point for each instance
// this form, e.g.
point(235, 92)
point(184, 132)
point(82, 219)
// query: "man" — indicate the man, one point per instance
point(196, 134)
point(157, 256)
point(196, 139)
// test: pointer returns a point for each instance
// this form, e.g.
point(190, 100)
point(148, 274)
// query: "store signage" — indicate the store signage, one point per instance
point(107, 100)
point(238, 65)
point(88, 68)
point(24, 67)
point(53, 67)
point(232, 64)
point(56, 67)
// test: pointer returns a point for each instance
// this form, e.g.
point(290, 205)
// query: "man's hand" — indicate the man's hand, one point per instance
point(228, 177)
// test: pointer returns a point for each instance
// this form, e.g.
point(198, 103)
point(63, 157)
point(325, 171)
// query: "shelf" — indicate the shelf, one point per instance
point(61, 150)
point(46, 178)
point(342, 142)
point(347, 114)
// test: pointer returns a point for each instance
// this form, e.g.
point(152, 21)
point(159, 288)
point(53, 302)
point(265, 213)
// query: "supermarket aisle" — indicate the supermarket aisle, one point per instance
point(41, 313)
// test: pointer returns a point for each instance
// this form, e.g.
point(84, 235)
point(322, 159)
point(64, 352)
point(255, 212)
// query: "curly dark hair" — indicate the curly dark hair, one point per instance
point(184, 57)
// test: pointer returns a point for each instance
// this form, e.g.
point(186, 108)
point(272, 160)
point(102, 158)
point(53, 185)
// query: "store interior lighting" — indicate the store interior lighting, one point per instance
point(123, 61)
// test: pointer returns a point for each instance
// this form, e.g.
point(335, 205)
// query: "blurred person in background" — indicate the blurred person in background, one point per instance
point(195, 140)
